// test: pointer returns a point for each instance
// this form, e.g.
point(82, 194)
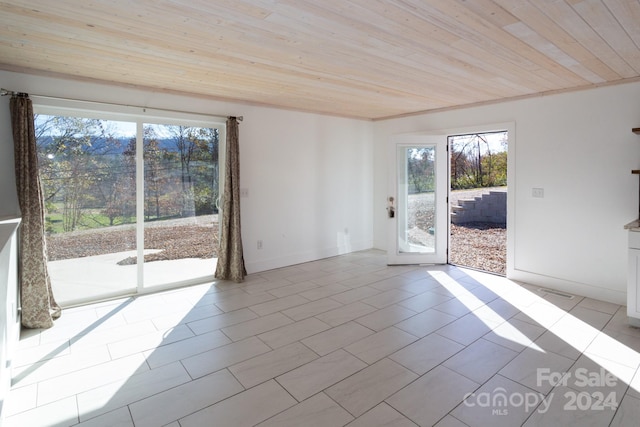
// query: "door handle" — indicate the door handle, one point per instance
point(391, 210)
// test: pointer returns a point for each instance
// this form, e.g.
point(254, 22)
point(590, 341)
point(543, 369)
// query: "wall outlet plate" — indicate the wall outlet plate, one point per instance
point(537, 192)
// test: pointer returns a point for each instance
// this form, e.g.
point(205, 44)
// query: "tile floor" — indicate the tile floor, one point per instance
point(346, 341)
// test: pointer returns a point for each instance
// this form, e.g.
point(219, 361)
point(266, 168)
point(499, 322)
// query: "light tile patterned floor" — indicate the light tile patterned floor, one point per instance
point(346, 341)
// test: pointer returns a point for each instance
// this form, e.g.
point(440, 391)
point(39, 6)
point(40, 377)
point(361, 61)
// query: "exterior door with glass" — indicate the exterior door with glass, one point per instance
point(417, 214)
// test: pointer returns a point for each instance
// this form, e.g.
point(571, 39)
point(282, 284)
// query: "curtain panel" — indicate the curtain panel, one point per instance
point(39, 307)
point(230, 258)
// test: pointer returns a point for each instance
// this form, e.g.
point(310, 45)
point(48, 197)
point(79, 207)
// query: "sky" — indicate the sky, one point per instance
point(494, 141)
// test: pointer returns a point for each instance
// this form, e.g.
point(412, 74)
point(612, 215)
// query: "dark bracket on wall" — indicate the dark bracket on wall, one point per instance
point(637, 172)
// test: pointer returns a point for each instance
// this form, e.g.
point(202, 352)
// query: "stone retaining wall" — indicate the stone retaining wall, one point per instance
point(490, 207)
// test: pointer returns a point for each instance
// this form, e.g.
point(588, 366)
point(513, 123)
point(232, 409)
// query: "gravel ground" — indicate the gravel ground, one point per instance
point(479, 245)
point(175, 242)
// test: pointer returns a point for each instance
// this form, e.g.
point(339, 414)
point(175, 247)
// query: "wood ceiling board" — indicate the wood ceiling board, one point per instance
point(545, 27)
point(566, 17)
point(358, 58)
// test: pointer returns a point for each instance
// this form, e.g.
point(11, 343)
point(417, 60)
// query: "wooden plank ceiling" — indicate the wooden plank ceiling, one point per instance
point(369, 59)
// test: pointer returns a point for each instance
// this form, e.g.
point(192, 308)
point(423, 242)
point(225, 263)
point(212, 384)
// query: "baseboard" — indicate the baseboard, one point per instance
point(302, 257)
point(567, 286)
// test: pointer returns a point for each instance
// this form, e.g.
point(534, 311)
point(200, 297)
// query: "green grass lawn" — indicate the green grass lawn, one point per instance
point(89, 220)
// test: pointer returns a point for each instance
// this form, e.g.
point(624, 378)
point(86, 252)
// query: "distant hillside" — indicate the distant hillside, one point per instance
point(102, 144)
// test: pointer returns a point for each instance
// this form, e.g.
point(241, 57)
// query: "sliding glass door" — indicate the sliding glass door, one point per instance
point(118, 191)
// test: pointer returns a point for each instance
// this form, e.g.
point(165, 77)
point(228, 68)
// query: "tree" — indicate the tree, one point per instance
point(116, 181)
point(476, 162)
point(155, 166)
point(197, 149)
point(420, 169)
point(181, 136)
point(78, 164)
point(205, 170)
point(496, 167)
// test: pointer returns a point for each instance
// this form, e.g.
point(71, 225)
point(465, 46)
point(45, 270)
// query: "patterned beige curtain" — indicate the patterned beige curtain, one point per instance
point(39, 308)
point(230, 258)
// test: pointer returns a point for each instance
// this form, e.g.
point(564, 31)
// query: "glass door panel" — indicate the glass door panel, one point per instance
point(416, 199)
point(88, 177)
point(181, 182)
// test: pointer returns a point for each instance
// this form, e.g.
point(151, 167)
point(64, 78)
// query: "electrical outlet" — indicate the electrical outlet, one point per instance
point(537, 192)
point(244, 192)
point(259, 244)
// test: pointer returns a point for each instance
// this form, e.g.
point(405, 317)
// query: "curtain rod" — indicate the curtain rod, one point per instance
point(7, 92)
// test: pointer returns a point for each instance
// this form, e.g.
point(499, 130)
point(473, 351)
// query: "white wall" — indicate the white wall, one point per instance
point(310, 182)
point(580, 149)
point(309, 177)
